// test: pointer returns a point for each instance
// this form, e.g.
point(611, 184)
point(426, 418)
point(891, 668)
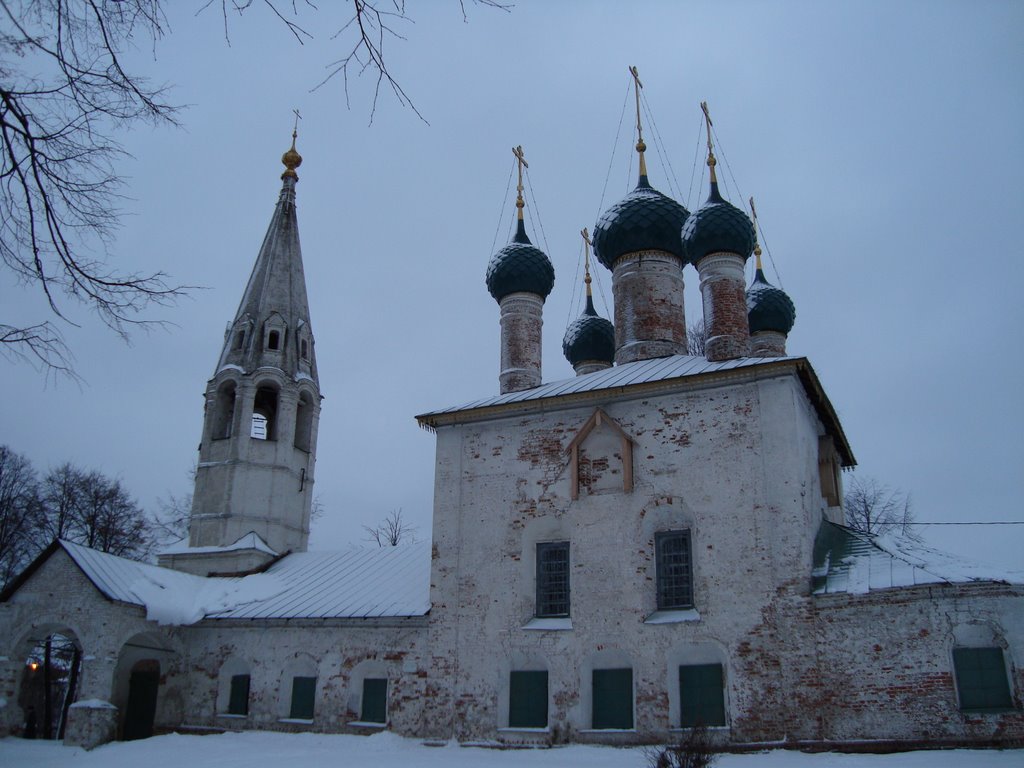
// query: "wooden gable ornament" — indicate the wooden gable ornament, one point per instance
point(598, 419)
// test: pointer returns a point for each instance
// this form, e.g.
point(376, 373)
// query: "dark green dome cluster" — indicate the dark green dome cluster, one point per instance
point(769, 308)
point(644, 220)
point(717, 226)
point(520, 267)
point(589, 337)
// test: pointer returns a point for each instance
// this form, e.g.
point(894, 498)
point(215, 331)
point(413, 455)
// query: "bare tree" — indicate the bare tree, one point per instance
point(366, 27)
point(391, 531)
point(873, 508)
point(19, 509)
point(64, 96)
point(696, 339)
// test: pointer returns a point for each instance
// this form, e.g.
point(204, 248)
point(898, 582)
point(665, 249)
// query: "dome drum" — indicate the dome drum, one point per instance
point(649, 310)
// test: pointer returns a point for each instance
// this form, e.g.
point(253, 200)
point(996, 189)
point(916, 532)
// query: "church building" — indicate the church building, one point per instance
point(655, 544)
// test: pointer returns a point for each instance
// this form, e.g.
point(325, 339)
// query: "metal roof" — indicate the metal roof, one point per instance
point(355, 583)
point(686, 369)
point(848, 561)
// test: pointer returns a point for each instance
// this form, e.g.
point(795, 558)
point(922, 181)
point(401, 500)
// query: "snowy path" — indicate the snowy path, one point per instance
point(385, 750)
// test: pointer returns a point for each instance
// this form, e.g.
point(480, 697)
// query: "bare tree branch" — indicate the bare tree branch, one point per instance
point(391, 531)
point(697, 339)
point(59, 190)
point(877, 509)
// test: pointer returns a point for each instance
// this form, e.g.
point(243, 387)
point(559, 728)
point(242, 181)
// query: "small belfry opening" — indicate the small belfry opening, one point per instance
point(264, 414)
point(239, 341)
point(224, 411)
point(304, 422)
point(274, 340)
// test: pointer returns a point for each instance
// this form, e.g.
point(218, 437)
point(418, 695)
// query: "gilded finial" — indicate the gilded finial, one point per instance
point(586, 259)
point(521, 160)
point(640, 146)
point(292, 159)
point(711, 149)
point(757, 245)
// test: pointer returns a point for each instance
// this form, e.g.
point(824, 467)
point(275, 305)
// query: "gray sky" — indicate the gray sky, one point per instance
point(882, 142)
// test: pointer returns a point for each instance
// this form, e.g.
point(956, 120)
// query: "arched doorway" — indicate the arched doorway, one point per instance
point(140, 711)
point(49, 683)
point(141, 690)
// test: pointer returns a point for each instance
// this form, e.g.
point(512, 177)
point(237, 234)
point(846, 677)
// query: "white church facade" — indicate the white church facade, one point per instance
point(653, 545)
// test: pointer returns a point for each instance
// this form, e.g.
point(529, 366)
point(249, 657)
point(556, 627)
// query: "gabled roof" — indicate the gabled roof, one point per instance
point(847, 561)
point(356, 583)
point(643, 375)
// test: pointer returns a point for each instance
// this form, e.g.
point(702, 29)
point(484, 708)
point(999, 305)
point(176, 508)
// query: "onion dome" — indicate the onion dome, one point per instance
point(769, 308)
point(589, 338)
point(520, 266)
point(644, 220)
point(717, 226)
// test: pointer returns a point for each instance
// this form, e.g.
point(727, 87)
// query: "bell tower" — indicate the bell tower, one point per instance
point(258, 449)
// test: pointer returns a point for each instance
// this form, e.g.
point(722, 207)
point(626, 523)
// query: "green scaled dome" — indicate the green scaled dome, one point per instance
point(717, 226)
point(589, 337)
point(520, 267)
point(768, 307)
point(644, 220)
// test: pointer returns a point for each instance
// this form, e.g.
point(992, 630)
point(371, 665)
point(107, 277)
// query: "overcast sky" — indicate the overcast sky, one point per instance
point(881, 140)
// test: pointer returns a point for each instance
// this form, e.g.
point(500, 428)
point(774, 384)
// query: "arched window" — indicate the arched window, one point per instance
point(274, 340)
point(264, 414)
point(224, 411)
point(304, 423)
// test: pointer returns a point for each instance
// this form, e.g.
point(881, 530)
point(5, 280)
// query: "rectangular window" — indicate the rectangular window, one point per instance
point(375, 700)
point(701, 695)
point(303, 694)
point(613, 698)
point(674, 573)
point(553, 579)
point(238, 702)
point(528, 699)
point(981, 679)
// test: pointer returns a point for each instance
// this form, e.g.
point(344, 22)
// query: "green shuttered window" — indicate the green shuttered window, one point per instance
point(528, 699)
point(238, 701)
point(553, 579)
point(613, 698)
point(375, 700)
point(303, 695)
point(701, 695)
point(981, 679)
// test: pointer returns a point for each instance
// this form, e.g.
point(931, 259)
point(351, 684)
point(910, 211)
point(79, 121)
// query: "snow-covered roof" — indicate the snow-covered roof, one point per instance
point(851, 562)
point(356, 583)
point(251, 540)
point(686, 368)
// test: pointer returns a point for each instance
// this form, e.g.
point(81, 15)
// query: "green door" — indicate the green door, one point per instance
point(141, 708)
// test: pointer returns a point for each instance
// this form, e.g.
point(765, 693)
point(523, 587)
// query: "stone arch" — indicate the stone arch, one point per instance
point(265, 407)
point(47, 665)
point(367, 669)
point(520, 661)
point(233, 692)
point(706, 653)
point(607, 659)
point(295, 684)
point(145, 690)
point(305, 408)
point(224, 404)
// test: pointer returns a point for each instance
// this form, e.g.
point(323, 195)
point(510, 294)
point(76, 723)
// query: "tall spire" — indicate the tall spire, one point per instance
point(640, 146)
point(258, 451)
point(272, 324)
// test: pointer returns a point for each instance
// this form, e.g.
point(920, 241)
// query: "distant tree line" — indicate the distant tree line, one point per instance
point(79, 505)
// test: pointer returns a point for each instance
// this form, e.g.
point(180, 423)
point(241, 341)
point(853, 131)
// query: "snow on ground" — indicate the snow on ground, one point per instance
point(255, 749)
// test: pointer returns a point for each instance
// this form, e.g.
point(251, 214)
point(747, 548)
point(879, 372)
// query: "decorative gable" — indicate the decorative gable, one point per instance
point(601, 457)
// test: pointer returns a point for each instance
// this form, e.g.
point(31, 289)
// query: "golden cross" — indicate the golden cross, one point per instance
point(586, 257)
point(711, 148)
point(521, 160)
point(757, 245)
point(637, 85)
